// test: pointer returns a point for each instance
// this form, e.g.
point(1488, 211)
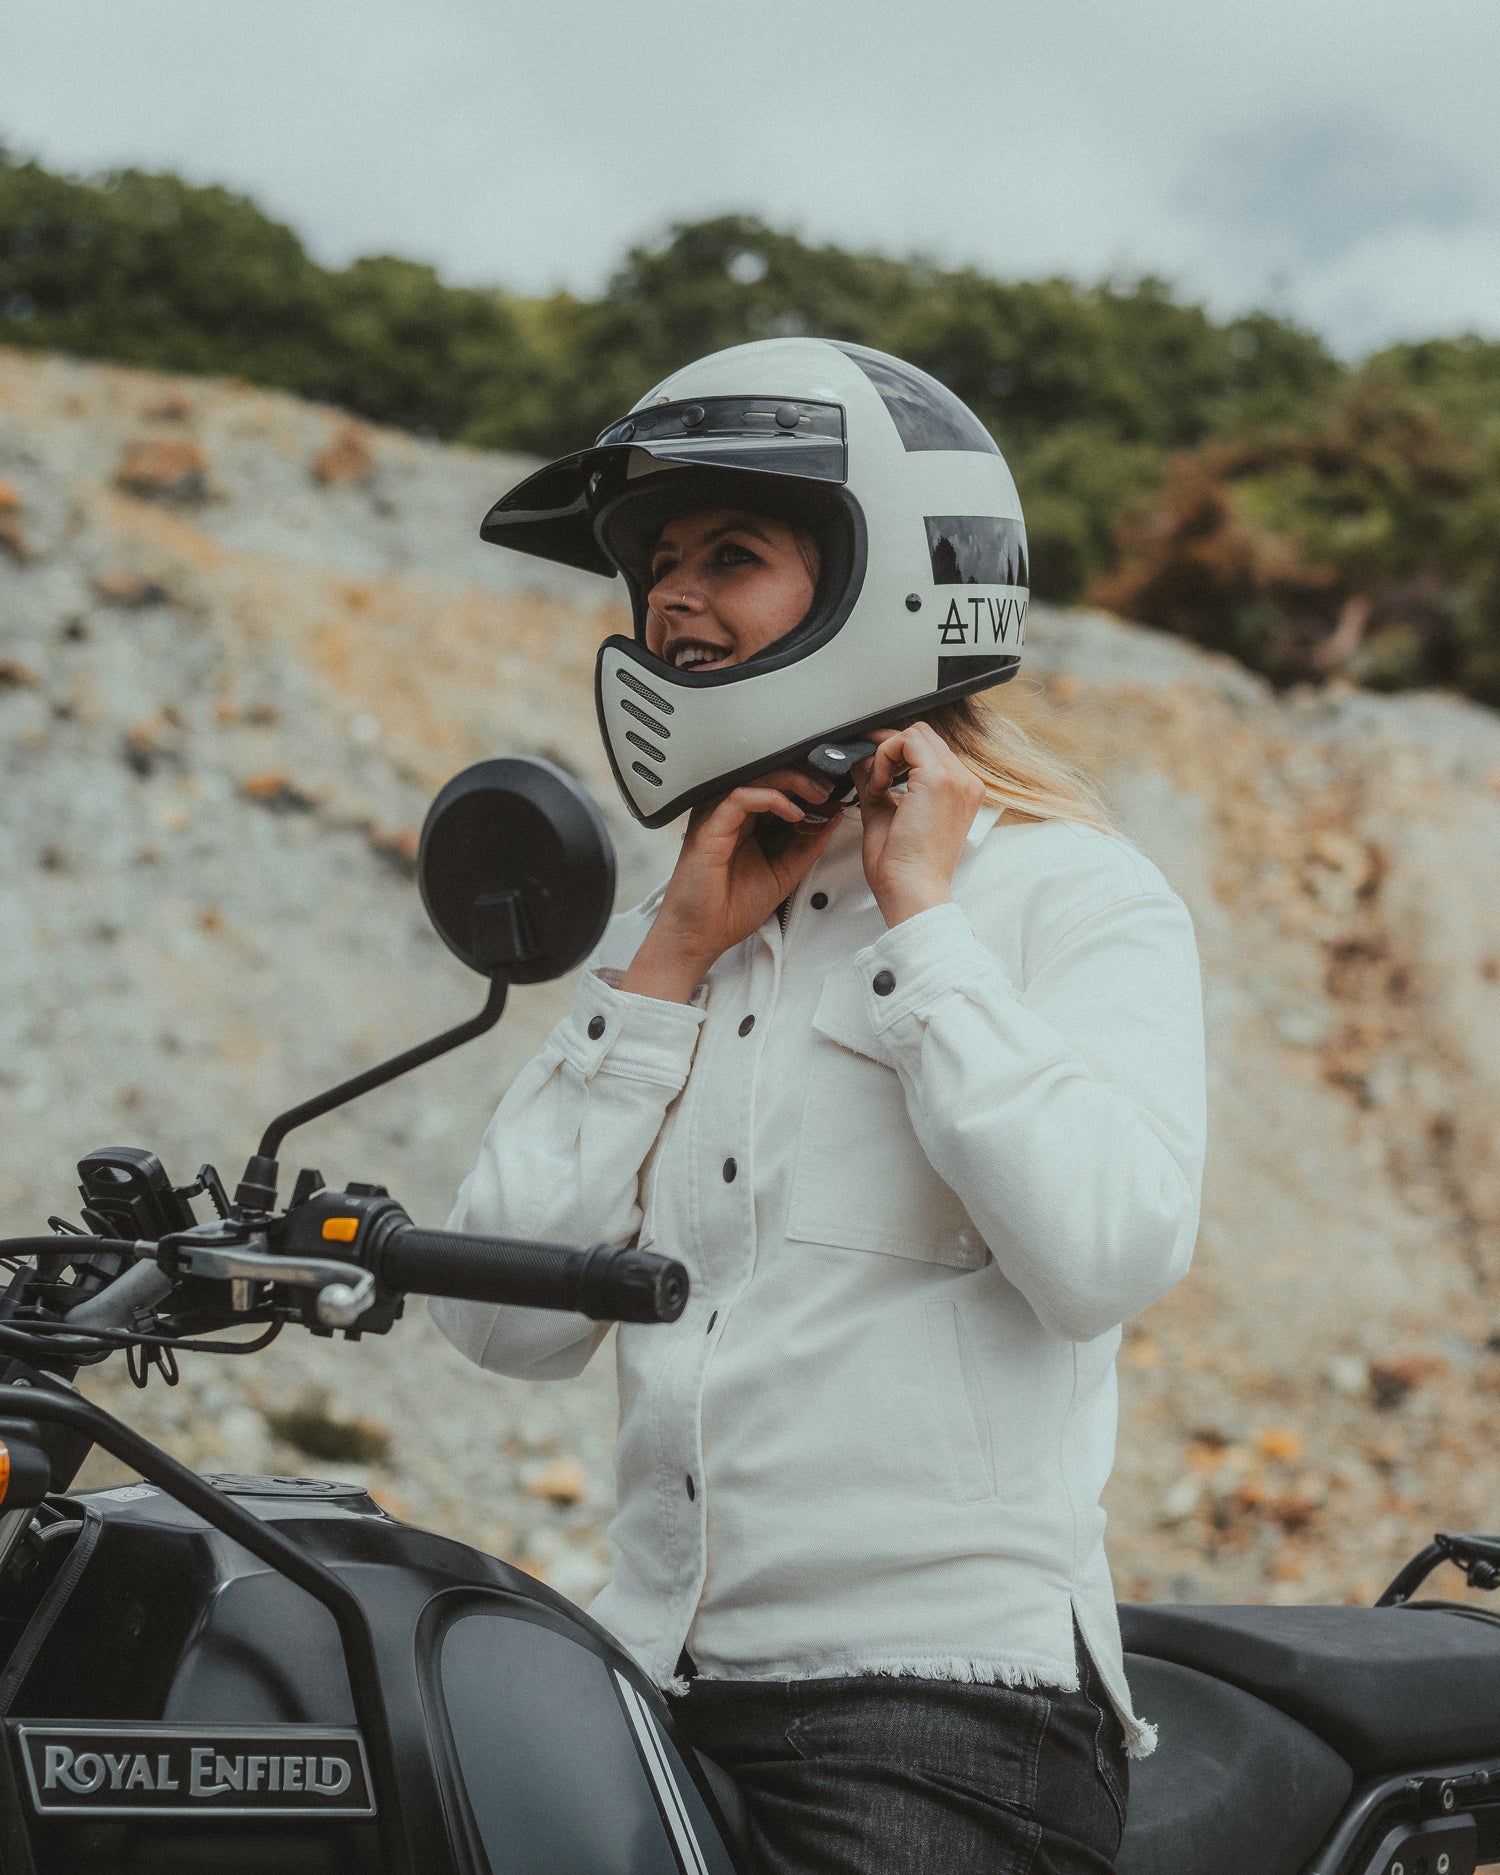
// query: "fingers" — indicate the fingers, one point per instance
point(728, 818)
point(919, 757)
point(812, 789)
point(875, 776)
point(791, 865)
point(787, 793)
point(917, 750)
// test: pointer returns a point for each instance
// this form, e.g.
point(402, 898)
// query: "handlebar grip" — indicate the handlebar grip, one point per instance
point(606, 1284)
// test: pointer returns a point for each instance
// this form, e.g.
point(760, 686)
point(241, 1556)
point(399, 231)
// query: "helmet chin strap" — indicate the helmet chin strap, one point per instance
point(836, 760)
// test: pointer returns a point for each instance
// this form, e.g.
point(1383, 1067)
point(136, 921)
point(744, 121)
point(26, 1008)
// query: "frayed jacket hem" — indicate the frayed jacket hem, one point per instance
point(1016, 1670)
point(1140, 1738)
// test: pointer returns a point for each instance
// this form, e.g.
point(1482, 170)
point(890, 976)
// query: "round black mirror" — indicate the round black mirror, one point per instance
point(517, 869)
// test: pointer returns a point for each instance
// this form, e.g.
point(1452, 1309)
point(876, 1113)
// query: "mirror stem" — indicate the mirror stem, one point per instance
point(260, 1174)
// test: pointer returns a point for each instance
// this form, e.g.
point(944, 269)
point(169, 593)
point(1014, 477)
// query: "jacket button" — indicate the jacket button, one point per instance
point(747, 1025)
point(596, 1027)
point(692, 1488)
point(730, 1168)
point(884, 982)
point(818, 900)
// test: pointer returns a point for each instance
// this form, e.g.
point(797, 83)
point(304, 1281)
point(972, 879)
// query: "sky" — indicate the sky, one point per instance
point(1333, 160)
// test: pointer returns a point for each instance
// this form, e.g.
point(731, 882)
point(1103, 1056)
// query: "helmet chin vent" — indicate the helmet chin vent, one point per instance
point(656, 728)
point(646, 774)
point(646, 748)
point(644, 690)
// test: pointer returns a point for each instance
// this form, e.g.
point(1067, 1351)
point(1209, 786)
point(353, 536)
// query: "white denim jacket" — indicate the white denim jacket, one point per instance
point(919, 1177)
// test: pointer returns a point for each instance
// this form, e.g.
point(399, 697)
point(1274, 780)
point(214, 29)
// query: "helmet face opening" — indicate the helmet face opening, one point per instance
point(629, 526)
point(922, 592)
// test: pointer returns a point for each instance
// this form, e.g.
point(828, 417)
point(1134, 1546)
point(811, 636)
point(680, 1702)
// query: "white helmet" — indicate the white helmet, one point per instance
point(923, 590)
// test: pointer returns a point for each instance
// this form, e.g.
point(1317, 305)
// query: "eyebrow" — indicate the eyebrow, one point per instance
point(716, 534)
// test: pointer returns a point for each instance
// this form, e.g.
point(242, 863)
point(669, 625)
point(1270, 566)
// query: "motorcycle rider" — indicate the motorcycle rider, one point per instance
point(915, 1091)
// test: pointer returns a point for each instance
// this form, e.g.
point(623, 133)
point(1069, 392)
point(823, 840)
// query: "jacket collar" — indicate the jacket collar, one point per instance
point(983, 821)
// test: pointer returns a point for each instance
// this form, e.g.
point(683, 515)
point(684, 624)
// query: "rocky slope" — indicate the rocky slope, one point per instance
point(241, 643)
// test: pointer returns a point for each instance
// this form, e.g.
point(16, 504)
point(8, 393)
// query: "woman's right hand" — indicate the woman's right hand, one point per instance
point(724, 885)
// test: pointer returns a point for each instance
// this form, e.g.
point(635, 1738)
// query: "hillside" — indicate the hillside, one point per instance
point(243, 640)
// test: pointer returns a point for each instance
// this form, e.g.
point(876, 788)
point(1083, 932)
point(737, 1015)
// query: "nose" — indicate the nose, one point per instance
point(674, 593)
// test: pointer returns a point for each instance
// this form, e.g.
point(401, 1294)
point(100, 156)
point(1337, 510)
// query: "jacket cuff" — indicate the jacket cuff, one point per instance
point(919, 961)
point(612, 1031)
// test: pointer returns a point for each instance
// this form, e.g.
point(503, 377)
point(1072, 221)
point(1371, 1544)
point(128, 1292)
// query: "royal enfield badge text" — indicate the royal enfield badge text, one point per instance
point(991, 621)
point(159, 1770)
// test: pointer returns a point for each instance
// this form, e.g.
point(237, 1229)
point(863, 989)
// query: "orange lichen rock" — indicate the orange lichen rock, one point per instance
point(170, 407)
point(1391, 1381)
point(131, 590)
point(560, 1481)
point(348, 459)
point(278, 792)
point(397, 847)
point(163, 469)
point(12, 539)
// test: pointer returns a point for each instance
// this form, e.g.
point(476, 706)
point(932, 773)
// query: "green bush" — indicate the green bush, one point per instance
point(151, 271)
point(1362, 541)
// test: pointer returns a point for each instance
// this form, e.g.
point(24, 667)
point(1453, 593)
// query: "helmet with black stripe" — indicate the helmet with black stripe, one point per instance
point(922, 593)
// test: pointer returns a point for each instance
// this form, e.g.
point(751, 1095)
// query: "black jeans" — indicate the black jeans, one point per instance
point(872, 1775)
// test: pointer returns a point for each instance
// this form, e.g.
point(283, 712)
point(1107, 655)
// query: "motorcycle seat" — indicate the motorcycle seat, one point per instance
point(1233, 1786)
point(1390, 1689)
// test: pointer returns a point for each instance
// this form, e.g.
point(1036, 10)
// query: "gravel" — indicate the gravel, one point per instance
point(224, 705)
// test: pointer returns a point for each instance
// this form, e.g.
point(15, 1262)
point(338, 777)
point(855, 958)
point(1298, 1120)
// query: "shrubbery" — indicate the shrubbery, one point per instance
point(1227, 479)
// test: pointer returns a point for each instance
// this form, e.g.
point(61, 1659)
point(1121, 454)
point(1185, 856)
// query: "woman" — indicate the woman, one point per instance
point(917, 1095)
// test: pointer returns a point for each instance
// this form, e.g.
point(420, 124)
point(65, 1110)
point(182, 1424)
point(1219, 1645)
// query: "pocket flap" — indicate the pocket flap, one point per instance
point(860, 1180)
point(843, 1017)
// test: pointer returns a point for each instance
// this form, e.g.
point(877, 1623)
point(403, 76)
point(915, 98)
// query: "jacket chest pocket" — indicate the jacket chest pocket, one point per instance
point(860, 1179)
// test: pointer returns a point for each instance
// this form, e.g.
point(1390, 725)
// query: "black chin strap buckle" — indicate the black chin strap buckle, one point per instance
point(833, 760)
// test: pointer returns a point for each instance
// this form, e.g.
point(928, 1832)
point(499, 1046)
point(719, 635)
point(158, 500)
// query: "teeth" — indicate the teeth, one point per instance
point(694, 654)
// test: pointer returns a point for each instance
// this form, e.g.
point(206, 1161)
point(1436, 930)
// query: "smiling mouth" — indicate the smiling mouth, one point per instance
point(691, 657)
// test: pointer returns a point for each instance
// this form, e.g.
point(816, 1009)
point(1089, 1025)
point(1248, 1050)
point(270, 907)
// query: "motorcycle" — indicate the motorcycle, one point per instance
point(228, 1673)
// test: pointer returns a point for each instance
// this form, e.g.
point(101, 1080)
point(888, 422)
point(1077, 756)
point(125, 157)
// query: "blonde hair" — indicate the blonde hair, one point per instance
point(1017, 772)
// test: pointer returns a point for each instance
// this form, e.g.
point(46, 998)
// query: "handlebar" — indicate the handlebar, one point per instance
point(297, 1258)
point(604, 1283)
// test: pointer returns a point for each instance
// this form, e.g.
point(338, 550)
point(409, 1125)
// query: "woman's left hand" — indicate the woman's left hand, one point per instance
point(912, 841)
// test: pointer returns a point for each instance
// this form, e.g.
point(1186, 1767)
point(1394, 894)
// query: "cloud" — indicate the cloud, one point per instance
point(1316, 188)
point(528, 146)
point(1406, 283)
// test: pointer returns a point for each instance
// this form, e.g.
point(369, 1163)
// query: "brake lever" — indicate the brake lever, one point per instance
point(345, 1290)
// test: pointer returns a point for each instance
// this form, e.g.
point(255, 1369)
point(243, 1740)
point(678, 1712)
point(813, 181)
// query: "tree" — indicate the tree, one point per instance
point(1362, 543)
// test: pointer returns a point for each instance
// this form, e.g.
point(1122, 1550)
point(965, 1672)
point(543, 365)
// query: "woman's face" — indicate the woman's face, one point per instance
point(725, 583)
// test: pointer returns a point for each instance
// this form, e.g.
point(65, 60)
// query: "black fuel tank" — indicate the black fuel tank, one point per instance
point(526, 1740)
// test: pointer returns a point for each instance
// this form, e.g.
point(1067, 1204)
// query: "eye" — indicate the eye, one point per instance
point(732, 553)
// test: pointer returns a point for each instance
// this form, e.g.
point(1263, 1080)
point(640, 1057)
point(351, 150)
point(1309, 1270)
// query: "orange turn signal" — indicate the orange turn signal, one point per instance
point(341, 1229)
point(4, 1470)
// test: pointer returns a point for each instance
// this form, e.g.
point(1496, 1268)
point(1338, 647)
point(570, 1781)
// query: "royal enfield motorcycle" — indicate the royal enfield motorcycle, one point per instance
point(221, 1674)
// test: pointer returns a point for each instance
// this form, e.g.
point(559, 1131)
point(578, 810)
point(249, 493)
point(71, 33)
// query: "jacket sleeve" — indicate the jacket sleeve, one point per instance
point(561, 1163)
point(1069, 1119)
